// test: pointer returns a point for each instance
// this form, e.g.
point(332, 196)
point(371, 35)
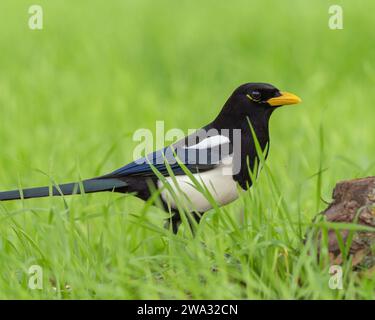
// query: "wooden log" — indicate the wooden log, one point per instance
point(353, 202)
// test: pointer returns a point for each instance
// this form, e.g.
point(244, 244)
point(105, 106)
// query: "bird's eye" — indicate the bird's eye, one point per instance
point(256, 96)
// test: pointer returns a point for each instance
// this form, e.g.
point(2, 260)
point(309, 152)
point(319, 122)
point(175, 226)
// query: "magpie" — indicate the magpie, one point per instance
point(212, 164)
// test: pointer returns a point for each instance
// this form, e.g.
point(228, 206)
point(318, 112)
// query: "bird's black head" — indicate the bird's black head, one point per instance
point(263, 95)
point(254, 101)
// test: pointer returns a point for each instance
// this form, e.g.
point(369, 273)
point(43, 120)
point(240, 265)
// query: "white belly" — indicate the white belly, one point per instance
point(219, 182)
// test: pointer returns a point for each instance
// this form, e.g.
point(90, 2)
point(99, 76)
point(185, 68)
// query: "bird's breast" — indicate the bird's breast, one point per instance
point(197, 194)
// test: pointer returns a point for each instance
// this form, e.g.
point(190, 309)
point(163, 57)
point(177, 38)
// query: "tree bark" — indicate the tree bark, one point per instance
point(353, 202)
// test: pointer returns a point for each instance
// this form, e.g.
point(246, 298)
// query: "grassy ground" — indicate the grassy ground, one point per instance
point(72, 94)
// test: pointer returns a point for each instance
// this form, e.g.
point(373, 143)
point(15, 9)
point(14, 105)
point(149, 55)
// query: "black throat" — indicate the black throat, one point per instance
point(241, 114)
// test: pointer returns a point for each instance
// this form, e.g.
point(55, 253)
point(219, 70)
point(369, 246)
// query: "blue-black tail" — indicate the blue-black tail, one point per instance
point(86, 186)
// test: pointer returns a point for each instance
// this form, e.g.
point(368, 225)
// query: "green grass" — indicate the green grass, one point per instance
point(72, 95)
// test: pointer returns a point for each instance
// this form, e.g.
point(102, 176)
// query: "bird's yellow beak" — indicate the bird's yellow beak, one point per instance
point(285, 99)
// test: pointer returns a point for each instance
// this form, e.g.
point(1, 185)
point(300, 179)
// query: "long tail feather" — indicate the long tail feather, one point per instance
point(89, 186)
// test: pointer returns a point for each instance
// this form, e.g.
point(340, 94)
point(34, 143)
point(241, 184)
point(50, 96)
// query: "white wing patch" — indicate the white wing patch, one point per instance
point(219, 182)
point(210, 142)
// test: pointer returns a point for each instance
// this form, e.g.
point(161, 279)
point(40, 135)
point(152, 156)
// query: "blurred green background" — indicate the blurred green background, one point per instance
point(72, 94)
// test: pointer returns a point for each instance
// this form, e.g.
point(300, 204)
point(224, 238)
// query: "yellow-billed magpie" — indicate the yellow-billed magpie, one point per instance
point(221, 155)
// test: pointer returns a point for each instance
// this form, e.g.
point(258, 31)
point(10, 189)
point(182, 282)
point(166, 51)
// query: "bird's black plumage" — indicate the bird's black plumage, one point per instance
point(205, 153)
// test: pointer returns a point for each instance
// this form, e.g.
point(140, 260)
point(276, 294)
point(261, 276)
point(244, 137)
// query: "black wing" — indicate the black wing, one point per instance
point(198, 155)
